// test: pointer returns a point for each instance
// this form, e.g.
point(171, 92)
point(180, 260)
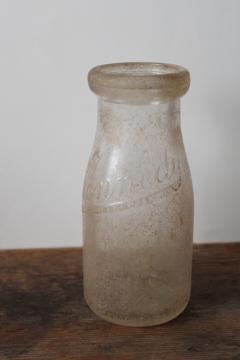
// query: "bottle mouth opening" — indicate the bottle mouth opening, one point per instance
point(137, 69)
point(139, 81)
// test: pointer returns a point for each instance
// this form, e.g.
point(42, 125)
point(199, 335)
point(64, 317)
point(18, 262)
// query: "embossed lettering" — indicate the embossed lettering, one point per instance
point(168, 174)
point(167, 169)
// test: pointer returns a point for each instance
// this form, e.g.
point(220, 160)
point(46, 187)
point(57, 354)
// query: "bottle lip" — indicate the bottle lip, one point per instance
point(139, 81)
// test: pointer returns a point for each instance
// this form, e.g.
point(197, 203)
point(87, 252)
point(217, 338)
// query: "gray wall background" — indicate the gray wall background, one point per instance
point(48, 115)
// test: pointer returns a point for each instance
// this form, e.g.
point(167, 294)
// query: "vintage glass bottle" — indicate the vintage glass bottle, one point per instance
point(137, 196)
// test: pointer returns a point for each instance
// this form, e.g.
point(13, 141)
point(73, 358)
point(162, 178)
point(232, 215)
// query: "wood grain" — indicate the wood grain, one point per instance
point(43, 314)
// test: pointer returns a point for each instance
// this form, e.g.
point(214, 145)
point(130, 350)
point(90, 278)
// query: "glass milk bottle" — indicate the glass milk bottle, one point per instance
point(137, 196)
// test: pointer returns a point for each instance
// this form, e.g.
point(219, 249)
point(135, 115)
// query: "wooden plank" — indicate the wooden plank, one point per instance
point(43, 314)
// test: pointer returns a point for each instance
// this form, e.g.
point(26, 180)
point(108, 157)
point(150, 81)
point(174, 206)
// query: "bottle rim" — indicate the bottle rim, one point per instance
point(139, 81)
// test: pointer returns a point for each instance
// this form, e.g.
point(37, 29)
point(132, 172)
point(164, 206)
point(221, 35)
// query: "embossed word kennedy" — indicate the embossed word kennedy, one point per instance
point(122, 188)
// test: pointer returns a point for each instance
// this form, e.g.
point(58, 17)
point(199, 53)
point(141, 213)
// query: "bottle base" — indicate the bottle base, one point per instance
point(155, 322)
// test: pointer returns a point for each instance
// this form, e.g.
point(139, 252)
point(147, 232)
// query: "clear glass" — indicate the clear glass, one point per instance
point(137, 213)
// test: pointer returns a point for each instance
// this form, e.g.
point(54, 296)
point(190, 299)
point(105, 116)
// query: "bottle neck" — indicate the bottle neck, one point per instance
point(124, 122)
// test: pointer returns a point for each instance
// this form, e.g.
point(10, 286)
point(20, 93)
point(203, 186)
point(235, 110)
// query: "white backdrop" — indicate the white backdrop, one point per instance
point(48, 115)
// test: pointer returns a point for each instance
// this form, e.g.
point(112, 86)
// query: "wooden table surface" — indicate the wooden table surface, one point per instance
point(43, 314)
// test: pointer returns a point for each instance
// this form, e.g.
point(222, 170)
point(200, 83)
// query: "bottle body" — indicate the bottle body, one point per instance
point(138, 215)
